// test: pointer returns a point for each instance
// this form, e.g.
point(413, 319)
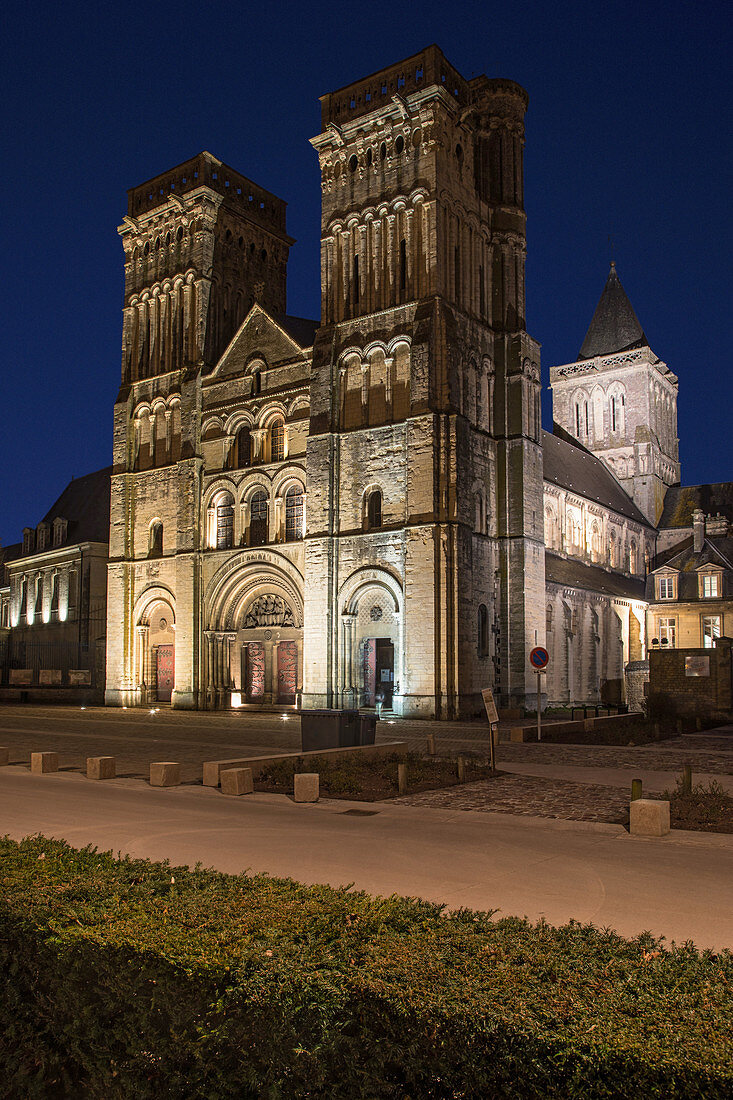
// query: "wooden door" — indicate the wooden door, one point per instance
point(287, 671)
point(370, 671)
point(254, 672)
point(166, 672)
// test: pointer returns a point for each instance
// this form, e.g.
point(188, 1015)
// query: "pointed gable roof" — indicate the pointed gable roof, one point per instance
point(615, 326)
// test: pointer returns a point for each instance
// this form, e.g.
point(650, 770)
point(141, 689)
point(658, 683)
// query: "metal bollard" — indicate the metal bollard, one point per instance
point(402, 778)
point(636, 789)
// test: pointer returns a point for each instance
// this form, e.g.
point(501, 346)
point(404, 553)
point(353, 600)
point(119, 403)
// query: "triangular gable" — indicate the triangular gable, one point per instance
point(259, 335)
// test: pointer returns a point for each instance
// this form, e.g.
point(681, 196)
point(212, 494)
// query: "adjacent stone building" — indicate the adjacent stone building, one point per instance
point(366, 506)
point(53, 599)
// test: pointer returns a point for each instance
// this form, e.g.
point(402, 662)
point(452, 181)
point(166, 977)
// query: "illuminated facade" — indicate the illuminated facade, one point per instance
point(366, 506)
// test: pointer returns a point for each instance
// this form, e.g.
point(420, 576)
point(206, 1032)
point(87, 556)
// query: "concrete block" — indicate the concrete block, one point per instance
point(101, 767)
point(4, 757)
point(519, 733)
point(237, 781)
point(165, 773)
point(42, 762)
point(648, 817)
point(305, 786)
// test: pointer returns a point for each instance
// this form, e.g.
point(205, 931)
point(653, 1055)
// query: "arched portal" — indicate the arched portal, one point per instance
point(155, 646)
point(254, 637)
point(372, 640)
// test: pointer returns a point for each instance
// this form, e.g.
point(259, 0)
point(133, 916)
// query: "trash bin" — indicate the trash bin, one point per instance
point(368, 728)
point(329, 729)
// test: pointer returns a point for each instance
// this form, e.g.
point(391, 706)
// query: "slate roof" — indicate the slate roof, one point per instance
point(84, 504)
point(576, 574)
point(680, 501)
point(570, 465)
point(715, 551)
point(615, 326)
point(300, 329)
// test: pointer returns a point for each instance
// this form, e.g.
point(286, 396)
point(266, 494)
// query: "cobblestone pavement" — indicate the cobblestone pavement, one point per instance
point(531, 797)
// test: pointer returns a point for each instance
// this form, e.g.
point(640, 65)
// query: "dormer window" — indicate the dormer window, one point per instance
point(709, 586)
point(29, 538)
point(667, 587)
point(59, 531)
point(42, 533)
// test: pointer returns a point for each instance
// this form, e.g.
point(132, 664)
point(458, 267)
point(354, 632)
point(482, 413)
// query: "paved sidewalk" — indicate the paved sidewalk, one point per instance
point(680, 886)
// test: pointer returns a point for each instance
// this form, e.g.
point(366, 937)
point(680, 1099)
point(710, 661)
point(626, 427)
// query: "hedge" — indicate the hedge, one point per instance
point(123, 978)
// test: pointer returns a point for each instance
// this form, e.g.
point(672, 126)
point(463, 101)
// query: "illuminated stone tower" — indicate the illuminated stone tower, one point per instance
point(424, 461)
point(620, 401)
point(202, 244)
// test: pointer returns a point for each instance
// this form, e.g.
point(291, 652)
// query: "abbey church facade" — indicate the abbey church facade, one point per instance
point(365, 507)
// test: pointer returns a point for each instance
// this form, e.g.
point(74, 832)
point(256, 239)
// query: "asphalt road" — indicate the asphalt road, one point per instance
point(680, 886)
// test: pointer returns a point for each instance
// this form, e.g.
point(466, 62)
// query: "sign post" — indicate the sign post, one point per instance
point(493, 717)
point(538, 659)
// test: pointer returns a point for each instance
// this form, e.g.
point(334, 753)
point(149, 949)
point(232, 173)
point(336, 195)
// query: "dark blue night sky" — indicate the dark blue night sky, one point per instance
point(628, 135)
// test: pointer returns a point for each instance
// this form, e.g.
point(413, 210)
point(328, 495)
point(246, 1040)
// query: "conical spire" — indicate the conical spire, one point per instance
point(615, 326)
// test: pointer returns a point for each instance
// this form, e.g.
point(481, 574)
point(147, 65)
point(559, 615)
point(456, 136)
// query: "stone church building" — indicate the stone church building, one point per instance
point(324, 512)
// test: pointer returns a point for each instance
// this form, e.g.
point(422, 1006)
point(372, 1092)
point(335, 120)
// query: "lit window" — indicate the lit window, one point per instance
point(666, 588)
point(667, 633)
point(709, 585)
point(277, 441)
point(294, 514)
point(224, 522)
point(710, 630)
point(258, 509)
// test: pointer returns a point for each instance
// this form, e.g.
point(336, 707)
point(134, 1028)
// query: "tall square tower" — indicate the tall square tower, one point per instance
point(424, 551)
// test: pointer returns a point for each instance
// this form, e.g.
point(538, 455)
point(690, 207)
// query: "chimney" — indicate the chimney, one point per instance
point(698, 530)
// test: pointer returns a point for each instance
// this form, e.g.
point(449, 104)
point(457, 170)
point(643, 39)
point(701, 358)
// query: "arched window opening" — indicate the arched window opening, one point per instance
point(155, 540)
point(256, 380)
point(244, 447)
point(356, 280)
point(23, 610)
point(258, 518)
point(483, 631)
point(374, 510)
point(225, 522)
point(277, 441)
point(55, 596)
point(38, 608)
point(294, 513)
point(403, 264)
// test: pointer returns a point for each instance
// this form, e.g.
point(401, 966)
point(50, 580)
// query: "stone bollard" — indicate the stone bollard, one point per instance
point(518, 733)
point(402, 778)
point(237, 781)
point(461, 769)
point(636, 790)
point(431, 744)
point(165, 773)
point(648, 817)
point(101, 767)
point(42, 762)
point(4, 757)
point(687, 778)
point(306, 786)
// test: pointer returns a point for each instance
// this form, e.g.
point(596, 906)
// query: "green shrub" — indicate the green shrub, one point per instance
point(128, 979)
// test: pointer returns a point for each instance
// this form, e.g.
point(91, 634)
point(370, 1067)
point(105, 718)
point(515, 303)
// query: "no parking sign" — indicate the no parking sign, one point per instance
point(539, 657)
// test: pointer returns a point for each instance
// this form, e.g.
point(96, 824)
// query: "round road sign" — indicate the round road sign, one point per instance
point(539, 657)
